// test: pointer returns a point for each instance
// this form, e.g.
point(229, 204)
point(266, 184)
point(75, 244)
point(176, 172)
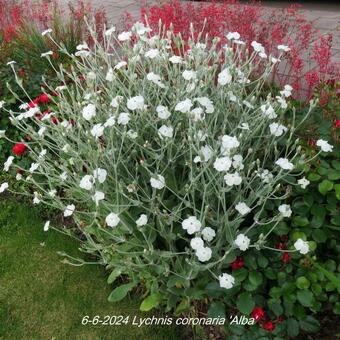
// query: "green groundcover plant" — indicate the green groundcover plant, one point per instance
point(173, 163)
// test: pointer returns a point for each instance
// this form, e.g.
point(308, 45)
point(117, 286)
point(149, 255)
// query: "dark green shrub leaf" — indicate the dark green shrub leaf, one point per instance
point(302, 282)
point(300, 221)
point(245, 303)
point(292, 327)
point(325, 186)
point(305, 297)
point(309, 324)
point(216, 309)
point(255, 278)
point(319, 235)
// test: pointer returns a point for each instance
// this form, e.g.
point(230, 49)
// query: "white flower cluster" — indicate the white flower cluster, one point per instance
point(150, 141)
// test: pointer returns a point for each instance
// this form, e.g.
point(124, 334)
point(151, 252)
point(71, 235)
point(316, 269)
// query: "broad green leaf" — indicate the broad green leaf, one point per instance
point(120, 292)
point(305, 297)
point(182, 306)
point(245, 303)
point(313, 177)
point(216, 309)
point(325, 186)
point(150, 302)
point(255, 278)
point(319, 235)
point(302, 282)
point(292, 327)
point(309, 324)
point(337, 191)
point(300, 221)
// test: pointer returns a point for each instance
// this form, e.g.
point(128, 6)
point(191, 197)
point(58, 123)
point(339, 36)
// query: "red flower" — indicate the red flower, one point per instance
point(337, 123)
point(258, 313)
point(19, 149)
point(43, 98)
point(32, 104)
point(285, 258)
point(279, 319)
point(55, 120)
point(269, 326)
point(21, 72)
point(238, 263)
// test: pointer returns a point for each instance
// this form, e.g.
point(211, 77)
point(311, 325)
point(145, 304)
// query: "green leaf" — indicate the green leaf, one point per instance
point(292, 327)
point(305, 297)
point(333, 175)
point(150, 302)
point(216, 309)
point(120, 292)
point(182, 306)
point(313, 177)
point(245, 303)
point(325, 186)
point(300, 221)
point(302, 282)
point(310, 325)
point(113, 276)
point(337, 191)
point(255, 278)
point(319, 236)
point(262, 261)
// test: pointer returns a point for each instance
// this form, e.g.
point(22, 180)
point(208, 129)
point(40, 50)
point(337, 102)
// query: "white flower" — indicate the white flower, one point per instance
point(36, 198)
point(162, 112)
point(196, 243)
point(242, 242)
point(175, 59)
point(97, 130)
point(283, 48)
point(123, 118)
point(189, 75)
point(268, 111)
point(3, 187)
point(47, 31)
point(41, 131)
point(191, 225)
point(224, 77)
point(100, 175)
point(109, 75)
point(238, 162)
point(222, 164)
point(12, 62)
point(207, 152)
point(302, 246)
point(135, 103)
point(52, 193)
point(184, 106)
point(233, 35)
point(284, 164)
point(233, 179)
point(63, 176)
point(120, 65)
point(142, 220)
point(46, 225)
point(244, 126)
point(165, 131)
point(110, 31)
point(8, 163)
point(207, 103)
point(86, 182)
point(203, 254)
point(112, 220)
point(115, 101)
point(140, 28)
point(242, 208)
point(285, 210)
point(89, 111)
point(124, 36)
point(69, 210)
point(46, 54)
point(155, 78)
point(98, 196)
point(208, 234)
point(229, 142)
point(197, 114)
point(33, 167)
point(324, 145)
point(226, 281)
point(132, 134)
point(257, 47)
point(276, 129)
point(157, 182)
point(282, 102)
point(18, 177)
point(153, 53)
point(110, 122)
point(287, 91)
point(266, 176)
point(303, 182)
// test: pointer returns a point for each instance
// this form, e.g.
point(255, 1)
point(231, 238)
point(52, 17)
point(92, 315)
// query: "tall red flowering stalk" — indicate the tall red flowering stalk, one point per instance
point(270, 27)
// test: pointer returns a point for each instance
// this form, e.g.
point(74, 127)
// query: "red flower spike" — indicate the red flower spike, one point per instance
point(19, 149)
point(337, 124)
point(281, 245)
point(258, 313)
point(238, 263)
point(269, 326)
point(43, 98)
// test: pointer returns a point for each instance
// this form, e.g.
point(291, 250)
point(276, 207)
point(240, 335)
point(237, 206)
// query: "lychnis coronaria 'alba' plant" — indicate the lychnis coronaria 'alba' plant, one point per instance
point(165, 155)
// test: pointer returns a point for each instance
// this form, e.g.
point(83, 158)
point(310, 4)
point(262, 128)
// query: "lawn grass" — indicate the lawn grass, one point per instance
point(43, 298)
